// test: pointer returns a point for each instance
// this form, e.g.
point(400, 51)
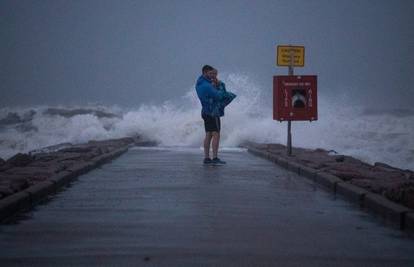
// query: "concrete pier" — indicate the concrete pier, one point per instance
point(162, 207)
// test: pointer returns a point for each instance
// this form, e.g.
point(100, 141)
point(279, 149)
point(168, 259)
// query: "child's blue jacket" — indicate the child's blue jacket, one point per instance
point(213, 100)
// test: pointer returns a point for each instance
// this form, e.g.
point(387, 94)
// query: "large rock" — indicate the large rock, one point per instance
point(30, 171)
point(20, 160)
point(5, 190)
point(11, 183)
point(5, 167)
point(77, 149)
point(60, 157)
point(45, 157)
point(67, 113)
point(19, 184)
point(408, 199)
point(350, 172)
point(2, 161)
point(385, 167)
point(52, 148)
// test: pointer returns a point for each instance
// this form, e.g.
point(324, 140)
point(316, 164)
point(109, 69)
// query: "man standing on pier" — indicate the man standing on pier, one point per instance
point(209, 97)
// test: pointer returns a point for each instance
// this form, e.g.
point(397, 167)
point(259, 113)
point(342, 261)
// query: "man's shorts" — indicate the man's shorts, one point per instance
point(211, 124)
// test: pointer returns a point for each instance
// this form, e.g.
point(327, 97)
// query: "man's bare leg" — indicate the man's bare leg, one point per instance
point(207, 141)
point(215, 143)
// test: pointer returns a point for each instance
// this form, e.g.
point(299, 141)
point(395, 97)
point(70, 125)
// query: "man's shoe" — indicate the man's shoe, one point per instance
point(207, 161)
point(217, 161)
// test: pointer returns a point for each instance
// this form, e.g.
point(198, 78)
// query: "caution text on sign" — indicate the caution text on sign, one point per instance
point(290, 56)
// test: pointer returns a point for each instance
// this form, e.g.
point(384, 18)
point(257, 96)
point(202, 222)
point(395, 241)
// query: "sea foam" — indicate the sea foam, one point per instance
point(371, 135)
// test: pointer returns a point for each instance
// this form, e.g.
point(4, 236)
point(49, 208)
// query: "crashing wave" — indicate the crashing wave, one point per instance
point(373, 136)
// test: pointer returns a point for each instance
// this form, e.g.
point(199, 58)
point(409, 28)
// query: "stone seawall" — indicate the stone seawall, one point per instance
point(378, 188)
point(26, 179)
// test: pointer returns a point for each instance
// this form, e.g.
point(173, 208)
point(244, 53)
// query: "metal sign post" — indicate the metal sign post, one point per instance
point(289, 130)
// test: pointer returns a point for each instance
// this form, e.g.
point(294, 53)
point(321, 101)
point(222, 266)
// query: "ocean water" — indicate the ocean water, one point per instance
point(372, 135)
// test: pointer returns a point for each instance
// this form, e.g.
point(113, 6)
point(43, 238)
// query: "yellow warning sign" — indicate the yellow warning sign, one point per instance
point(288, 54)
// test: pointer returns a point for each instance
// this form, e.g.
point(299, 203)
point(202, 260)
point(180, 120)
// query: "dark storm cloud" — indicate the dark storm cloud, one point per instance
point(131, 52)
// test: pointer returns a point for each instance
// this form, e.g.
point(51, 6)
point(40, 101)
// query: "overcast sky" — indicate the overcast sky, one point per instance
point(133, 52)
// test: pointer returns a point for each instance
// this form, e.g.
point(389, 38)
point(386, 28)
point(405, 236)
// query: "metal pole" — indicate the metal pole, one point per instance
point(289, 133)
point(289, 139)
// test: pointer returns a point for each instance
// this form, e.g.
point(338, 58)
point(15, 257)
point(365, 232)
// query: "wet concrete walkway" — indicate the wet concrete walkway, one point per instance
point(162, 207)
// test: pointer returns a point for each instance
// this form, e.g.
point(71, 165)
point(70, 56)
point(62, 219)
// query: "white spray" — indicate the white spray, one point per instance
point(346, 129)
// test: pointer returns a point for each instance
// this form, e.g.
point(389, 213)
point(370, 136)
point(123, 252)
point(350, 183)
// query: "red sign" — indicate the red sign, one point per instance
point(295, 98)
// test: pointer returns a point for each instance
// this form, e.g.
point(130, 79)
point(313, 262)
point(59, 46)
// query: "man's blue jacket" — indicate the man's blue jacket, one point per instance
point(208, 95)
